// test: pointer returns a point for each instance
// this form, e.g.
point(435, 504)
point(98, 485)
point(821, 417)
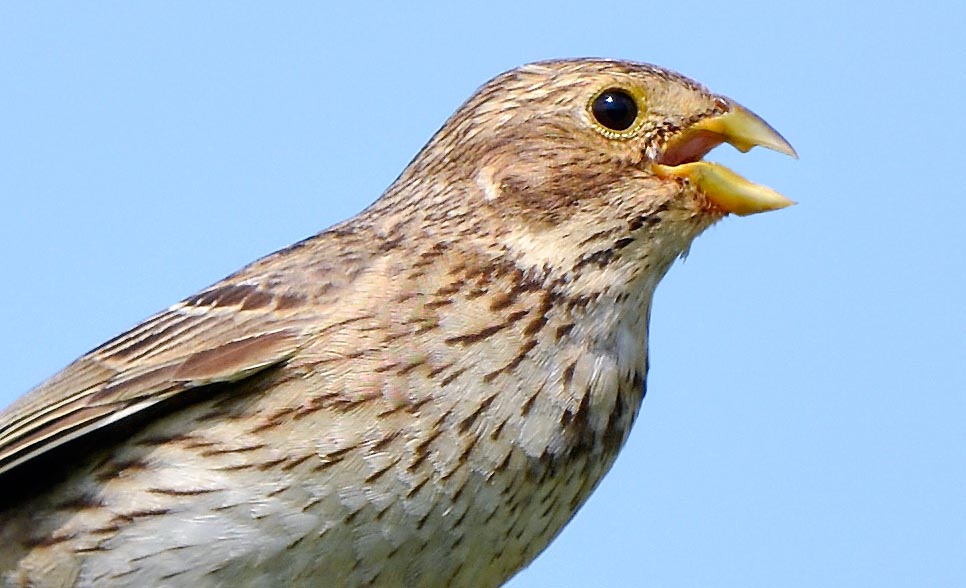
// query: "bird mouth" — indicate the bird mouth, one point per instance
point(726, 190)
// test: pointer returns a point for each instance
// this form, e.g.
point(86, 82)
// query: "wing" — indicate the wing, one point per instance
point(227, 332)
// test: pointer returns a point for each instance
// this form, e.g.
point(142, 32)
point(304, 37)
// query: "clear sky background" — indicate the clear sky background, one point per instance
point(805, 418)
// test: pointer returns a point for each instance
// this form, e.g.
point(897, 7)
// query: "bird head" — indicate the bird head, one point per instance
point(563, 161)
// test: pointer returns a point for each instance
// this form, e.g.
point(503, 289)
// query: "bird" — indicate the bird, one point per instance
point(420, 396)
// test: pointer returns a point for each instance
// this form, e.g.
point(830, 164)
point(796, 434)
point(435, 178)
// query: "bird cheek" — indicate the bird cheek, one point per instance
point(646, 193)
point(486, 179)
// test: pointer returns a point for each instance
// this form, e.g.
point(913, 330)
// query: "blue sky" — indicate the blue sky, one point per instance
point(805, 418)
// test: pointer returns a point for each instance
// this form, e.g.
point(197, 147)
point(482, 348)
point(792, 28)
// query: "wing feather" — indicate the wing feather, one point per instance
point(203, 340)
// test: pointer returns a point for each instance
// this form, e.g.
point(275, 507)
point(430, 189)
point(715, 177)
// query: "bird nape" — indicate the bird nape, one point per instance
point(420, 396)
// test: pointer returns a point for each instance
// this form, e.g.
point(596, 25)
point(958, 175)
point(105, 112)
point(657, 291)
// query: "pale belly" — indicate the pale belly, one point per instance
point(436, 495)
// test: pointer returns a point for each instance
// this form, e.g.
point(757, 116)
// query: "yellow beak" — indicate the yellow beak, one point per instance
point(724, 188)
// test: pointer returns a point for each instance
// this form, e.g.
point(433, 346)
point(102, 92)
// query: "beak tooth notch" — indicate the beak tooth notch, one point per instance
point(744, 129)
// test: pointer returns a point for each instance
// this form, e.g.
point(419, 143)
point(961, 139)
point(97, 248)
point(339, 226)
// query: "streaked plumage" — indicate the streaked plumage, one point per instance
point(420, 396)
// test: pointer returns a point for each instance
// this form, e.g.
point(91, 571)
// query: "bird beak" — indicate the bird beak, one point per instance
point(724, 188)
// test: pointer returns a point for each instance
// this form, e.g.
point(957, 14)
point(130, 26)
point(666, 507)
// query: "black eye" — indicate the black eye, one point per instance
point(615, 109)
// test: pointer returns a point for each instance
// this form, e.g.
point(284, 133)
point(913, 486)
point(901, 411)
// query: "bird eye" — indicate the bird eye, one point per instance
point(615, 109)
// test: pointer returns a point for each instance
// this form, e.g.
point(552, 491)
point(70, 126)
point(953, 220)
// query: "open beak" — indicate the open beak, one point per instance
point(727, 190)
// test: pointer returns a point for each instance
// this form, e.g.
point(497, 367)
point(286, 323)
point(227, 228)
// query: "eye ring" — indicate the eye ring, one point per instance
point(615, 111)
